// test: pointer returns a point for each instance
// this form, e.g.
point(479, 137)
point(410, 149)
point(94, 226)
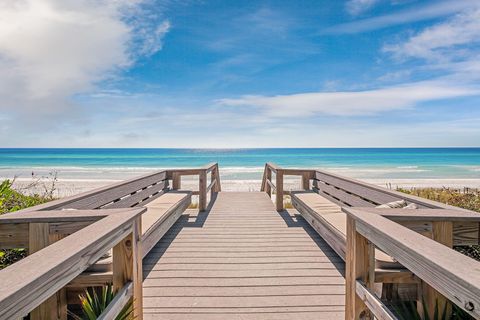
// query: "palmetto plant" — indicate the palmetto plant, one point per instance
point(93, 304)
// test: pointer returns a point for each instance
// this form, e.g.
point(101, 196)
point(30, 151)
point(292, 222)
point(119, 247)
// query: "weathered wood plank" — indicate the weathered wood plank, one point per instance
point(341, 196)
point(377, 308)
point(14, 235)
point(37, 277)
point(452, 274)
point(238, 257)
point(279, 190)
point(140, 196)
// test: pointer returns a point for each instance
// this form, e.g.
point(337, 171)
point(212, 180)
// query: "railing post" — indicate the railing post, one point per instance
point(442, 231)
point(218, 186)
point(279, 190)
point(54, 307)
point(268, 177)
point(305, 181)
point(213, 189)
point(127, 266)
point(176, 181)
point(202, 195)
point(359, 266)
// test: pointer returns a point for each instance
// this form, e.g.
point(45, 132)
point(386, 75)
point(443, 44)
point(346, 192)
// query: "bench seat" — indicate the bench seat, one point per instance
point(331, 223)
point(161, 214)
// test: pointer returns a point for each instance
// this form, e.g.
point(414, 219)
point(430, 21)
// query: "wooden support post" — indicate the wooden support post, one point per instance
point(213, 189)
point(137, 270)
point(202, 195)
point(54, 307)
point(176, 181)
point(305, 181)
point(442, 231)
point(268, 176)
point(359, 266)
point(279, 191)
point(127, 266)
point(218, 186)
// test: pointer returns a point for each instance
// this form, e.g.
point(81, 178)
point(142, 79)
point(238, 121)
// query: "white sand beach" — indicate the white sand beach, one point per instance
point(67, 187)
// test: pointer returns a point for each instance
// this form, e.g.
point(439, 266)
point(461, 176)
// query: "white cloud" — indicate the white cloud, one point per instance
point(355, 7)
point(442, 42)
point(419, 13)
point(352, 103)
point(51, 50)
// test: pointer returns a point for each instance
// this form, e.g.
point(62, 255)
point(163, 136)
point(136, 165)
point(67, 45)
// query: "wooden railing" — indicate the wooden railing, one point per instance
point(278, 187)
point(204, 187)
point(37, 283)
point(448, 275)
point(66, 237)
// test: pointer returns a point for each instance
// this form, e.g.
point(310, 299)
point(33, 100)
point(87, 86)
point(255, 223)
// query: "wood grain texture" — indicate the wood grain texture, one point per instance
point(375, 305)
point(32, 280)
point(224, 263)
point(279, 190)
point(452, 274)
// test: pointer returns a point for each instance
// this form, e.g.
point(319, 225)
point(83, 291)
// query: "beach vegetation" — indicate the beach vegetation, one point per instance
point(94, 302)
point(12, 200)
point(466, 198)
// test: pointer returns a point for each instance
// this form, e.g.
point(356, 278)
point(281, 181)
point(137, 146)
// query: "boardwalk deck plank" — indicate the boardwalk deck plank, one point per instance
point(243, 260)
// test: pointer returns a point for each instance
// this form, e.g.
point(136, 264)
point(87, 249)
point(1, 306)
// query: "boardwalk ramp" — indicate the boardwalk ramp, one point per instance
point(241, 259)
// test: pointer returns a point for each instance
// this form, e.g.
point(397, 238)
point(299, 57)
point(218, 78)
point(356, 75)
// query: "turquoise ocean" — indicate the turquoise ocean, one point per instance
point(244, 164)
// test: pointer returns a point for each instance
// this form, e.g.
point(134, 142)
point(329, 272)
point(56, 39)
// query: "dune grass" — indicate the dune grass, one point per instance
point(466, 198)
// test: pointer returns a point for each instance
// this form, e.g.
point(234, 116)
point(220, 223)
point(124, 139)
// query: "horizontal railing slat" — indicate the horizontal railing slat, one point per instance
point(139, 196)
point(451, 273)
point(342, 196)
point(104, 197)
point(364, 191)
point(35, 278)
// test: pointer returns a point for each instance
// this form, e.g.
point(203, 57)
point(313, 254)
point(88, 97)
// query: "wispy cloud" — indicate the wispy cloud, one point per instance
point(356, 7)
point(444, 42)
point(357, 103)
point(52, 50)
point(434, 10)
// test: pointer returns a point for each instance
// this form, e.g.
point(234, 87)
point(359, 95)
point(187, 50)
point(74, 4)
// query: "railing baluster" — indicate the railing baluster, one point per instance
point(359, 266)
point(127, 266)
point(279, 190)
point(202, 196)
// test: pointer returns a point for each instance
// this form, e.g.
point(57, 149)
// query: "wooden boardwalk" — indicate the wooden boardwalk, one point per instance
point(241, 259)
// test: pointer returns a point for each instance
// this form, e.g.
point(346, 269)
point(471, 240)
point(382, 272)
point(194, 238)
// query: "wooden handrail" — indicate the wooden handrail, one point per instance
point(268, 186)
point(454, 275)
point(426, 214)
point(34, 279)
point(203, 188)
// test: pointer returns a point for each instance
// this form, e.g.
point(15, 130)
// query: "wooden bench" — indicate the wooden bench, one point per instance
point(330, 222)
point(322, 205)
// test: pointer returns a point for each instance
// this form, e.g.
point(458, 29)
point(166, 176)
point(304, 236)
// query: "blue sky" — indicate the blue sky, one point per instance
point(132, 73)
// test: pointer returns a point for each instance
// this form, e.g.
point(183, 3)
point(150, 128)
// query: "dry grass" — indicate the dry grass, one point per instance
point(464, 198)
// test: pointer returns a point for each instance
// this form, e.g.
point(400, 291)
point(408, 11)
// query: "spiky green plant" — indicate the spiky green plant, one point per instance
point(93, 304)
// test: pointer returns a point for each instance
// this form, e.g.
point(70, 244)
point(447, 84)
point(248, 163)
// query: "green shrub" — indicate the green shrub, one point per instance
point(12, 200)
